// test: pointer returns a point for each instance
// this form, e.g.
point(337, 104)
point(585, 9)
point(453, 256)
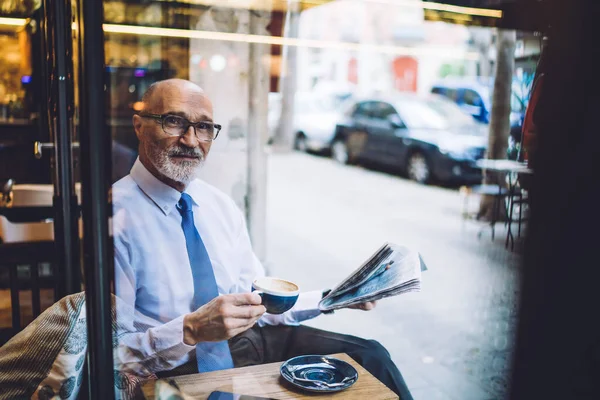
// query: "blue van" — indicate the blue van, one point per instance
point(474, 97)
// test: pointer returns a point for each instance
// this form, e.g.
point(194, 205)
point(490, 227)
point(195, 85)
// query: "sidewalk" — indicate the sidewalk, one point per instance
point(451, 341)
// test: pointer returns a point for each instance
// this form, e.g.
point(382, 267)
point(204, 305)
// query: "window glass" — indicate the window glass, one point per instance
point(438, 114)
point(254, 203)
point(472, 98)
point(452, 94)
point(363, 109)
point(382, 110)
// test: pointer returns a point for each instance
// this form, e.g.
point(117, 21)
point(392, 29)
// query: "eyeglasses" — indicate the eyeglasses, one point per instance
point(174, 125)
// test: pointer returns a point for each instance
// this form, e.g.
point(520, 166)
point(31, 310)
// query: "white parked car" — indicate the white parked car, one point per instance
point(315, 119)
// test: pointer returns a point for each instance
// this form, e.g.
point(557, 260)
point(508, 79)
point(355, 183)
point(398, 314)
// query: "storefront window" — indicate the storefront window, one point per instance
point(235, 131)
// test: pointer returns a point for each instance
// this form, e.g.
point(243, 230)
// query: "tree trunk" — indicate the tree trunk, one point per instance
point(283, 139)
point(500, 118)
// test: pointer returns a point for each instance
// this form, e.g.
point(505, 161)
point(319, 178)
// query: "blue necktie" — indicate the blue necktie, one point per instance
point(211, 356)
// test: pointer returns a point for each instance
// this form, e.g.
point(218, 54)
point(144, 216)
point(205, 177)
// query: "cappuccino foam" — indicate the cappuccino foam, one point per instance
point(276, 285)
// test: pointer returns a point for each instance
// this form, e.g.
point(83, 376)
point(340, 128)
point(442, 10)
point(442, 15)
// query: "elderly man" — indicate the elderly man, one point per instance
point(183, 259)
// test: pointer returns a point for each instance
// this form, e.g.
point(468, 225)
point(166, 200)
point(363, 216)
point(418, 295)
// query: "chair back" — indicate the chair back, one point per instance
point(25, 267)
point(27, 256)
point(11, 232)
point(32, 195)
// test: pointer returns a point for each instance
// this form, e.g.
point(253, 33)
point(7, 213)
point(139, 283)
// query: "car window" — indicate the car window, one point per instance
point(418, 115)
point(472, 98)
point(382, 110)
point(452, 94)
point(435, 113)
point(449, 93)
point(363, 109)
point(452, 113)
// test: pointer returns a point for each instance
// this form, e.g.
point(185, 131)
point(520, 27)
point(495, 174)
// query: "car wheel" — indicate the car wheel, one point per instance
point(339, 152)
point(300, 143)
point(417, 168)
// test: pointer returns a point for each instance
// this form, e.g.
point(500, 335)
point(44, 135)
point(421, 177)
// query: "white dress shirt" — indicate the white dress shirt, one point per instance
point(153, 273)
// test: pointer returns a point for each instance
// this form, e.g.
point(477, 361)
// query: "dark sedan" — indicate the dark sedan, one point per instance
point(429, 138)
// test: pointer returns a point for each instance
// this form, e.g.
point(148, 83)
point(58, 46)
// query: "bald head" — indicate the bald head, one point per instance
point(160, 93)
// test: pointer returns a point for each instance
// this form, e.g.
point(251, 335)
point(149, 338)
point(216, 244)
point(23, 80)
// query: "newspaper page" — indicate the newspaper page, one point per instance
point(390, 271)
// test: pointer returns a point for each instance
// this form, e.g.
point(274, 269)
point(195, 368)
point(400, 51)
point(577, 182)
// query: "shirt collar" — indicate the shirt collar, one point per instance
point(164, 196)
point(194, 190)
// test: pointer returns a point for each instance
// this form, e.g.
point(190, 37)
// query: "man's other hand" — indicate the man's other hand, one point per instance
point(367, 306)
point(222, 318)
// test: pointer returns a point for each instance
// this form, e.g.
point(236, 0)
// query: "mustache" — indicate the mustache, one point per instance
point(186, 151)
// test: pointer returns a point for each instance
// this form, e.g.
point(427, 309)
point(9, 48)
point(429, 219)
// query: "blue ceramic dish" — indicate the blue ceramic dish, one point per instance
point(278, 295)
point(318, 373)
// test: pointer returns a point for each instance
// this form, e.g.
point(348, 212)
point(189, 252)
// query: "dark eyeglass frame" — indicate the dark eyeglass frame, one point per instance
point(187, 124)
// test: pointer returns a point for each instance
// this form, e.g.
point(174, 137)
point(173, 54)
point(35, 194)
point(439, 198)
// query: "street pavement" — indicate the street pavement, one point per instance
point(454, 339)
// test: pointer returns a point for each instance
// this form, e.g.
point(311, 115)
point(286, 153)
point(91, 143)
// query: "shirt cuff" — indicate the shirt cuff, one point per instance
point(169, 337)
point(308, 301)
point(160, 348)
point(167, 341)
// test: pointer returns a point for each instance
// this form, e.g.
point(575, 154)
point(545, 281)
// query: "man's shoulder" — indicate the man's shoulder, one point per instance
point(125, 182)
point(127, 198)
point(124, 189)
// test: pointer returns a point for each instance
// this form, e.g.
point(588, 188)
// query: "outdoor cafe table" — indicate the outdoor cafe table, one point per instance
point(509, 167)
point(503, 166)
point(264, 380)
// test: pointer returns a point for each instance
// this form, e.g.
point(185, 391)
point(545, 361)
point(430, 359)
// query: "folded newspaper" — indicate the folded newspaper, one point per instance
point(390, 271)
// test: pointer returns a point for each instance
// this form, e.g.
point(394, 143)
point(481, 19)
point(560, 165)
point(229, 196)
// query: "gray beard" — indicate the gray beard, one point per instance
point(184, 172)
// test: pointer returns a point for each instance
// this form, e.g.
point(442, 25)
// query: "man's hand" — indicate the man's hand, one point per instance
point(369, 305)
point(222, 318)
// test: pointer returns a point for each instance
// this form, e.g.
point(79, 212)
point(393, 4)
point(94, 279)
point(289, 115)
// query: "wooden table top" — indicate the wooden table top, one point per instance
point(264, 380)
